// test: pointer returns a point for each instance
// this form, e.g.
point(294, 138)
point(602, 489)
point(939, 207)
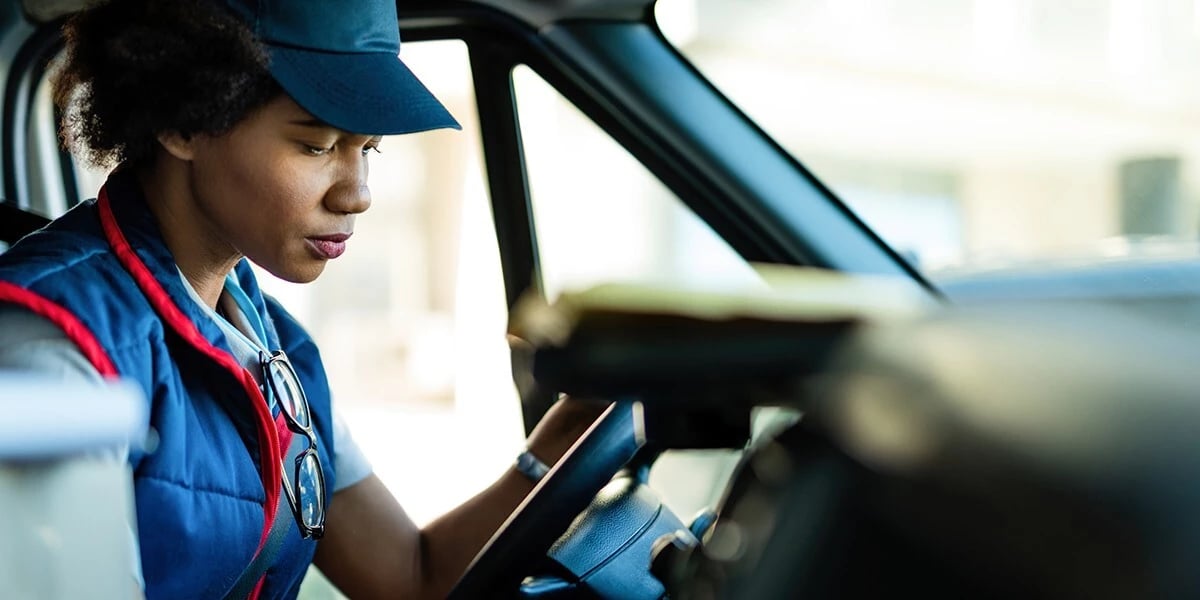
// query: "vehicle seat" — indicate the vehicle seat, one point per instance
point(16, 223)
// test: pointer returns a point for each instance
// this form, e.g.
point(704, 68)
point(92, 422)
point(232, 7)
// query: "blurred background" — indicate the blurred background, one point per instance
point(973, 133)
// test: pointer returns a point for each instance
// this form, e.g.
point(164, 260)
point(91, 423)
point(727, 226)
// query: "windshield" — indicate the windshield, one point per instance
point(976, 135)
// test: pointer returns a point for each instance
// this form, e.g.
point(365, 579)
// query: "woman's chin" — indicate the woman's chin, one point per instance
point(297, 273)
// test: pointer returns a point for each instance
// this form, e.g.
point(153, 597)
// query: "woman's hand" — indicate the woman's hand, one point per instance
point(566, 420)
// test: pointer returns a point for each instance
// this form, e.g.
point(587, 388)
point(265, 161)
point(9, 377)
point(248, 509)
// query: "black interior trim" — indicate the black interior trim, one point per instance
point(24, 75)
point(16, 223)
point(504, 159)
point(508, 185)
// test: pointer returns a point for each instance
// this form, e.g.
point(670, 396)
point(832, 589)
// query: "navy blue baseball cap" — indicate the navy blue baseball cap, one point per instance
point(340, 61)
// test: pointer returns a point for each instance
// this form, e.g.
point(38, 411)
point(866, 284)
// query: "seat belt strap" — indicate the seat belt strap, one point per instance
point(284, 523)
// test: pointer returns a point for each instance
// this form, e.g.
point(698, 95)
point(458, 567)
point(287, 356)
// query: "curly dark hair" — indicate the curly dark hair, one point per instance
point(134, 69)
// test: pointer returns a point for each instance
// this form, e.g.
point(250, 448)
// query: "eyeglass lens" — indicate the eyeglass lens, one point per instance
point(310, 496)
point(287, 387)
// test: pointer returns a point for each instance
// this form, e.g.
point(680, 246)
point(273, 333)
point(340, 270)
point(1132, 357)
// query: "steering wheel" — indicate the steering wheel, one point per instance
point(523, 540)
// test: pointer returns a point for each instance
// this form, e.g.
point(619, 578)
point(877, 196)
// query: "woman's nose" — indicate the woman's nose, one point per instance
point(351, 197)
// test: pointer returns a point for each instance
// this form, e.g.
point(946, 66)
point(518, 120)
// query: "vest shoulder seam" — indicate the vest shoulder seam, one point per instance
point(71, 264)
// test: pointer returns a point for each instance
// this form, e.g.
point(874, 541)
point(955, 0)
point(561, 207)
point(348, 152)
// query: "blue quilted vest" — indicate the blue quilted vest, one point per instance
point(208, 489)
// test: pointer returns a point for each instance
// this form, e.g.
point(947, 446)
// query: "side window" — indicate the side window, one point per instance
point(601, 216)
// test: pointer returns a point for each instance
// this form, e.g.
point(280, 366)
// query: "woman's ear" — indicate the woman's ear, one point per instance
point(178, 145)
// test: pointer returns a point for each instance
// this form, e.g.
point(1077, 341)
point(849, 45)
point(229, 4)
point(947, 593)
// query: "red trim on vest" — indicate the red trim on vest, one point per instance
point(76, 331)
point(271, 453)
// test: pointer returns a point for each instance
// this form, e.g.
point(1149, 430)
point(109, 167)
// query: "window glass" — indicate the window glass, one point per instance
point(600, 216)
point(976, 134)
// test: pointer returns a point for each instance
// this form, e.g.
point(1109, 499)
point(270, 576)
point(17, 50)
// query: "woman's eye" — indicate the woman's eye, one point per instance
point(368, 149)
point(317, 150)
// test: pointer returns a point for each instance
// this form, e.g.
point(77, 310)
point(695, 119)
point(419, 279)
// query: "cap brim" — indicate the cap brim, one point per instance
point(370, 93)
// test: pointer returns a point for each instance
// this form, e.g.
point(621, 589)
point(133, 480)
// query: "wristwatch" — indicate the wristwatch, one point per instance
point(529, 466)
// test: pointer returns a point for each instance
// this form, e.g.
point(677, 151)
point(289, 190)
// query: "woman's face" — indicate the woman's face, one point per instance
point(281, 188)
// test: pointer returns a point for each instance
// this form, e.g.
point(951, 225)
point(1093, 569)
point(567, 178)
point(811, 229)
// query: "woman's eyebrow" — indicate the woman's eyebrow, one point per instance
point(311, 122)
point(315, 123)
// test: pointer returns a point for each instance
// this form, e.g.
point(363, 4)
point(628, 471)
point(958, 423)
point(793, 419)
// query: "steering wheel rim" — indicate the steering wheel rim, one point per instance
point(566, 490)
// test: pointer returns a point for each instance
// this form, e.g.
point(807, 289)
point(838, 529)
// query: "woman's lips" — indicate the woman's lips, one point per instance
point(328, 246)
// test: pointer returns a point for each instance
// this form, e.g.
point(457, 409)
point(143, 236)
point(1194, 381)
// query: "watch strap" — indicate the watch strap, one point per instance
point(531, 467)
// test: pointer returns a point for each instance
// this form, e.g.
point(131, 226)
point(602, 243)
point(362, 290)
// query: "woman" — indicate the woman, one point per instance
point(239, 129)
